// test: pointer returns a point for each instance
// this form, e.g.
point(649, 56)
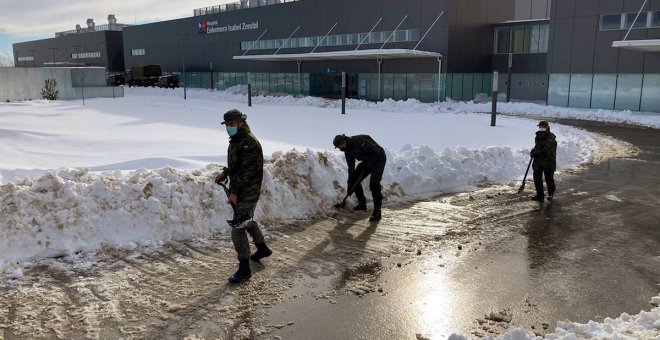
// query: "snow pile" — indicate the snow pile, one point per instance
point(66, 211)
point(136, 169)
point(645, 325)
point(238, 94)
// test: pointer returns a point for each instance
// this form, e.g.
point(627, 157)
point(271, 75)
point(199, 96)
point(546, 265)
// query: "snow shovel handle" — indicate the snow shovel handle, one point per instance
point(522, 187)
point(351, 190)
point(228, 193)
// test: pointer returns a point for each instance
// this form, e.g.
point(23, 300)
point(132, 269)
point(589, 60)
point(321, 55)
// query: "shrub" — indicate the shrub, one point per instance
point(50, 90)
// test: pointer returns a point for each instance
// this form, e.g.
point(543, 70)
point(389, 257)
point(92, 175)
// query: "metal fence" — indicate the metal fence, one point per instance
point(243, 4)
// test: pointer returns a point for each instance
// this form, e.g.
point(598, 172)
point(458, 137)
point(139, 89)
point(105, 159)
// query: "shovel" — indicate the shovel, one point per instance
point(233, 221)
point(351, 190)
point(522, 187)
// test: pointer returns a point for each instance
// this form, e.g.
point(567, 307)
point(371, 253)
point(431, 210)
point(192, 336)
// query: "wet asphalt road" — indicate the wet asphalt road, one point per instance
point(592, 253)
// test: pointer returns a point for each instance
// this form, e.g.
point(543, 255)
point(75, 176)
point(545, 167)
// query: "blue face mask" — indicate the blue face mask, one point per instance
point(231, 131)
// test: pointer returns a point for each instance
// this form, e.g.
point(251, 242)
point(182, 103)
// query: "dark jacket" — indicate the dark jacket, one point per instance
point(545, 151)
point(362, 148)
point(245, 166)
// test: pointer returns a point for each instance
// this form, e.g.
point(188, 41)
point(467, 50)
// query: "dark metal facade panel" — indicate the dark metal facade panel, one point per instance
point(564, 8)
point(589, 48)
point(584, 41)
point(586, 8)
point(606, 58)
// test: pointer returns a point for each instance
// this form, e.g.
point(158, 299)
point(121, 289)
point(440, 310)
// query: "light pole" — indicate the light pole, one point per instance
point(183, 64)
point(76, 48)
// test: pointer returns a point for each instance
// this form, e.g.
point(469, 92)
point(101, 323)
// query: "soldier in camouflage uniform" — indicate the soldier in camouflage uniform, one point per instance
point(545, 161)
point(245, 172)
point(372, 162)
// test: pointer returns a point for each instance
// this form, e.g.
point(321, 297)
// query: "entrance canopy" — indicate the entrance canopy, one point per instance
point(344, 55)
point(650, 45)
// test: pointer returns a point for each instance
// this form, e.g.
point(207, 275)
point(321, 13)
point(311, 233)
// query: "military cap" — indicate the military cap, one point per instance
point(337, 140)
point(234, 116)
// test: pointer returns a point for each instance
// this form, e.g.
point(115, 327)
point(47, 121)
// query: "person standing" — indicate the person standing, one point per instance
point(545, 161)
point(245, 170)
point(372, 162)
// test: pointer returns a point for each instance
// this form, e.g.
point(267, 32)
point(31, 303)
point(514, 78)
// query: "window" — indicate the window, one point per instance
point(413, 35)
point(138, 51)
point(543, 38)
point(535, 38)
point(610, 22)
point(503, 40)
point(401, 36)
point(25, 58)
point(641, 20)
point(655, 19)
point(519, 40)
point(86, 55)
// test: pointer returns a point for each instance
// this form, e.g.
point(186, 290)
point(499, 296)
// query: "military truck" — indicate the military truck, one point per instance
point(170, 81)
point(146, 75)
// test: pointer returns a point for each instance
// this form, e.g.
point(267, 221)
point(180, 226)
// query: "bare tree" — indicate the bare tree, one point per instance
point(6, 60)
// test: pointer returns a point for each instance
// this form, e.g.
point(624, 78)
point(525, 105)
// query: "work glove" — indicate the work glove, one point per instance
point(220, 178)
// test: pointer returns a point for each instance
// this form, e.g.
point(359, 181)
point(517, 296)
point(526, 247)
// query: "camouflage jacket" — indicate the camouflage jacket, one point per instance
point(362, 148)
point(545, 151)
point(245, 166)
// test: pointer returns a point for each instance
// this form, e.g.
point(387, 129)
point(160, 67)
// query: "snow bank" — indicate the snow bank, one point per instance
point(645, 325)
point(68, 210)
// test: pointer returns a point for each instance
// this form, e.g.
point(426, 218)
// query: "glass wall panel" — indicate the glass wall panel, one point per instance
point(604, 91)
point(519, 40)
point(305, 84)
point(467, 86)
point(428, 87)
point(651, 93)
point(580, 91)
point(399, 86)
point(610, 22)
point(558, 89)
point(535, 39)
point(641, 20)
point(388, 85)
point(412, 86)
point(503, 37)
point(477, 83)
point(628, 92)
point(457, 86)
point(543, 38)
point(448, 85)
point(655, 19)
point(487, 86)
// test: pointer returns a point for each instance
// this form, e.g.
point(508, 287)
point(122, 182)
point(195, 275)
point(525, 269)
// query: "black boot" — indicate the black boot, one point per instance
point(242, 274)
point(538, 197)
point(375, 216)
point(362, 206)
point(262, 251)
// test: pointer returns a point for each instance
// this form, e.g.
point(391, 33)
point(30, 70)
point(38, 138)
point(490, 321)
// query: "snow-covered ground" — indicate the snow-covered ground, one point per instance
point(140, 169)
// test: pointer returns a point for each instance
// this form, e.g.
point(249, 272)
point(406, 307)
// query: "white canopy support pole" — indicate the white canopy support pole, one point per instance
point(325, 36)
point(392, 34)
point(287, 40)
point(439, 77)
point(299, 62)
point(366, 36)
point(380, 70)
point(254, 42)
point(634, 21)
point(429, 30)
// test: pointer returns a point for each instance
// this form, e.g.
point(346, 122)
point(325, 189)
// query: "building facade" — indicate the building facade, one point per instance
point(586, 54)
point(98, 46)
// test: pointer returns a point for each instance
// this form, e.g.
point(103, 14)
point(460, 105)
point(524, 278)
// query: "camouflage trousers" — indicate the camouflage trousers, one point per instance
point(239, 233)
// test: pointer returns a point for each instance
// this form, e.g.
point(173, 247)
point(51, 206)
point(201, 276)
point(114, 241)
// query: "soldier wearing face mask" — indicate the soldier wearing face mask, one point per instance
point(245, 171)
point(545, 161)
point(372, 162)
